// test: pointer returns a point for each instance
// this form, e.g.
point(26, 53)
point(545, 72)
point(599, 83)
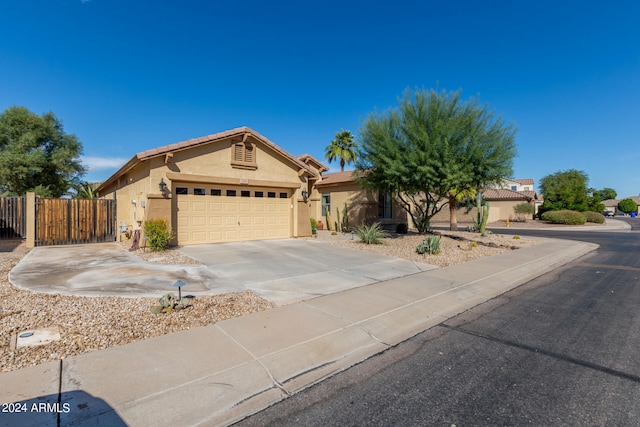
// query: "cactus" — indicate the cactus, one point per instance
point(338, 223)
point(345, 218)
point(328, 220)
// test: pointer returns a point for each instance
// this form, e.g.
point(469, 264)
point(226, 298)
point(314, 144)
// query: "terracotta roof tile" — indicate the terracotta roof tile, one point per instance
point(525, 181)
point(143, 155)
point(504, 194)
point(337, 178)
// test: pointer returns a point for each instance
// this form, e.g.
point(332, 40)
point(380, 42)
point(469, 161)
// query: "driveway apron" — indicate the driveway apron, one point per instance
point(281, 271)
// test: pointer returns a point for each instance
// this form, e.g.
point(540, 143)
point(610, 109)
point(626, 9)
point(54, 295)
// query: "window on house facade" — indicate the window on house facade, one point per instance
point(231, 193)
point(259, 194)
point(245, 193)
point(216, 192)
point(199, 191)
point(384, 205)
point(182, 190)
point(243, 155)
point(271, 194)
point(284, 195)
point(514, 187)
point(326, 204)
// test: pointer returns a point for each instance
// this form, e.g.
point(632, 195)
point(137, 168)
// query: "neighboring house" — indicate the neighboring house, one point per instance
point(612, 204)
point(517, 184)
point(502, 202)
point(230, 186)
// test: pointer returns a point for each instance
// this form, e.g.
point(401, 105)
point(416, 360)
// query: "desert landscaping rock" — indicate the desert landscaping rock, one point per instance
point(93, 323)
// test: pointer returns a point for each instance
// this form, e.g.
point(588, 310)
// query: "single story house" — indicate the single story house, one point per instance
point(612, 204)
point(230, 186)
point(238, 185)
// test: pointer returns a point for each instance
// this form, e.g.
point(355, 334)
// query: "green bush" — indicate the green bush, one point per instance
point(595, 217)
point(564, 217)
point(371, 234)
point(158, 233)
point(430, 245)
point(314, 225)
point(402, 228)
point(627, 206)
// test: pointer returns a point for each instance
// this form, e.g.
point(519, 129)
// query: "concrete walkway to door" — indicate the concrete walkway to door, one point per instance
point(282, 271)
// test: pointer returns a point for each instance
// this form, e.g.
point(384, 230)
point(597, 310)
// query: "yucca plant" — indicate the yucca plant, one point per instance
point(371, 234)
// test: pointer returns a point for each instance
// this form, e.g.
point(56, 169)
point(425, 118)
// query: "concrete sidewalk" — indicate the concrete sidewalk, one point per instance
point(219, 374)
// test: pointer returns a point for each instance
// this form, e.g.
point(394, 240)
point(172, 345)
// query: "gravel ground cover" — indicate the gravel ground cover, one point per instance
point(93, 323)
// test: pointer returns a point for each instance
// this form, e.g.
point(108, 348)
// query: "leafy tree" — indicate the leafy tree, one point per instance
point(36, 154)
point(433, 150)
point(605, 194)
point(342, 147)
point(567, 190)
point(627, 206)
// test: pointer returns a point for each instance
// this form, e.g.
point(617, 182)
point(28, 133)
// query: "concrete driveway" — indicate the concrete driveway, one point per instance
point(282, 271)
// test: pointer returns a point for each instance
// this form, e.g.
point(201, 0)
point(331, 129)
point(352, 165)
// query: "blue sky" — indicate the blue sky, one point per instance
point(126, 76)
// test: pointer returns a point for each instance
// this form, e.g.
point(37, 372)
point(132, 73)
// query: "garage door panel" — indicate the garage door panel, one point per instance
point(210, 219)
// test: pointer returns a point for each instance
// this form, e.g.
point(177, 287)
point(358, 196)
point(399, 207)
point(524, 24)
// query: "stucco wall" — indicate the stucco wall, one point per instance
point(362, 207)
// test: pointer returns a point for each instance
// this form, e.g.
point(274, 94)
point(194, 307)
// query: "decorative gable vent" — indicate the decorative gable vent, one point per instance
point(243, 155)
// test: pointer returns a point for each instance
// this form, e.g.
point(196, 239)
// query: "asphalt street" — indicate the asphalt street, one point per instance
point(559, 350)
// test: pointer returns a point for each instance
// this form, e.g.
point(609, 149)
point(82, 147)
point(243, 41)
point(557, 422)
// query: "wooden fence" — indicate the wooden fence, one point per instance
point(74, 221)
point(13, 218)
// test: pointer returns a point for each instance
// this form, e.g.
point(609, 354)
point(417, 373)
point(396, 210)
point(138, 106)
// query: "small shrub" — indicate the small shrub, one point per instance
point(158, 233)
point(334, 233)
point(474, 244)
point(430, 245)
point(314, 226)
point(595, 217)
point(564, 217)
point(516, 237)
point(402, 228)
point(371, 234)
point(523, 211)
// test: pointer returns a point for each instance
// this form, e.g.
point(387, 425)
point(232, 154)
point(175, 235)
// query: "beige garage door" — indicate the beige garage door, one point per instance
point(216, 216)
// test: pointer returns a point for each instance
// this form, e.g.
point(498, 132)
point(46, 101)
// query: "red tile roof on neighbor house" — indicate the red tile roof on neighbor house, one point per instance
point(504, 194)
point(526, 181)
point(165, 149)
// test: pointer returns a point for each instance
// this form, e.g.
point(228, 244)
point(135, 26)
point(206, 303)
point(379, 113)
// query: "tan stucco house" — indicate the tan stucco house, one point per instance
point(230, 186)
point(238, 185)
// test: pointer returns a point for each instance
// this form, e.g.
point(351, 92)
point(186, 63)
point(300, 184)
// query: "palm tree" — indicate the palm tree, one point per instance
point(454, 197)
point(86, 190)
point(341, 147)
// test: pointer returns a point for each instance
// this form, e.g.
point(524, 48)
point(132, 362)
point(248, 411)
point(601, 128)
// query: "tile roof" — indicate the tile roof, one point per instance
point(337, 178)
point(525, 181)
point(307, 158)
point(504, 194)
point(165, 149)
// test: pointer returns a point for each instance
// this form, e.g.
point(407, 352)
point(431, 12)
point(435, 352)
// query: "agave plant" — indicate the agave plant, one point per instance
point(430, 245)
point(371, 234)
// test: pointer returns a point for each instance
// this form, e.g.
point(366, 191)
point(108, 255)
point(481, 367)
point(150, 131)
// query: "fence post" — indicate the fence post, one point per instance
point(30, 209)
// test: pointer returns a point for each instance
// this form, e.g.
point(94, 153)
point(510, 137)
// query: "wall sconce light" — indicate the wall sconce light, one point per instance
point(305, 195)
point(163, 187)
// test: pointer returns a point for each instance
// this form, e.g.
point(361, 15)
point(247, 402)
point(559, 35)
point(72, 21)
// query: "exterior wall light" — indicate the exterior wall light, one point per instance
point(163, 187)
point(305, 195)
